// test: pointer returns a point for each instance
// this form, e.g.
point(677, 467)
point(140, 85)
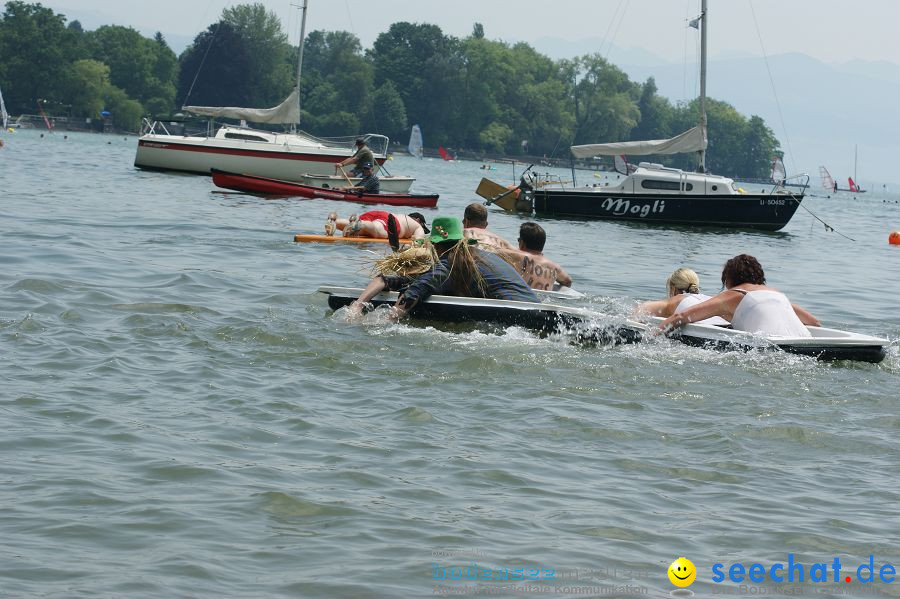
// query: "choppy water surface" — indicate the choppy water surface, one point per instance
point(183, 416)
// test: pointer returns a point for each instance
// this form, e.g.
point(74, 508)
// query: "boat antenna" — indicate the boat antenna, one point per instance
point(300, 56)
point(704, 16)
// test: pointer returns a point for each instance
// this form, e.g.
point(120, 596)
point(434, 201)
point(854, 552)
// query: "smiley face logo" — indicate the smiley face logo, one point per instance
point(682, 572)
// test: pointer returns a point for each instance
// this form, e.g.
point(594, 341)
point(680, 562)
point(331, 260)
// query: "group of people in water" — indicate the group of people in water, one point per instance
point(475, 262)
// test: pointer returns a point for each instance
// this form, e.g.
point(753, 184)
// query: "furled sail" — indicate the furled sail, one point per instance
point(692, 140)
point(415, 142)
point(286, 112)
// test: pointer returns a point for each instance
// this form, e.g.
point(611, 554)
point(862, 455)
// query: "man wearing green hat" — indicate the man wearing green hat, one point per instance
point(462, 269)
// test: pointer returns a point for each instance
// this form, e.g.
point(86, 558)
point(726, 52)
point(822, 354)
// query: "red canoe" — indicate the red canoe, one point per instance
point(254, 184)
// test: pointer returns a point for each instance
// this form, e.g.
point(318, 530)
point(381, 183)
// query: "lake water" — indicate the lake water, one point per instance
point(183, 416)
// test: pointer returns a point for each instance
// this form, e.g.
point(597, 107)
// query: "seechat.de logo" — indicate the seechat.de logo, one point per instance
point(797, 572)
point(682, 572)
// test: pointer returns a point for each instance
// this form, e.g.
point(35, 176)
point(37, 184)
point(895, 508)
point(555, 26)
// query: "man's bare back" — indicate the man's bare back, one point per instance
point(538, 271)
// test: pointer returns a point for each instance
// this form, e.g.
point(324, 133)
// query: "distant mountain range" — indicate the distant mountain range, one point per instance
point(827, 109)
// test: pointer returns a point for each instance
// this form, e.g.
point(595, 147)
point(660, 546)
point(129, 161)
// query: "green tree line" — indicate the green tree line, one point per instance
point(466, 93)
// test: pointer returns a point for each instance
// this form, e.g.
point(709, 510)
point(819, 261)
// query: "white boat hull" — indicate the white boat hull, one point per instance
point(388, 184)
point(202, 154)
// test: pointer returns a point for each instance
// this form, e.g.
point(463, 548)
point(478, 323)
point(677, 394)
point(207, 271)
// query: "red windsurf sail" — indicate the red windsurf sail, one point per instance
point(853, 185)
point(444, 153)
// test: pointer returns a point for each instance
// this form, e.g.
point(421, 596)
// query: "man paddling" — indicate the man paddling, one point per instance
point(361, 157)
point(475, 222)
point(369, 182)
point(462, 269)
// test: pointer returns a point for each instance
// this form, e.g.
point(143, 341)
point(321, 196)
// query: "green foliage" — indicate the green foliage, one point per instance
point(88, 81)
point(126, 113)
point(222, 81)
point(388, 112)
point(605, 101)
point(335, 59)
point(656, 115)
point(35, 51)
point(267, 79)
point(425, 67)
point(470, 93)
point(495, 137)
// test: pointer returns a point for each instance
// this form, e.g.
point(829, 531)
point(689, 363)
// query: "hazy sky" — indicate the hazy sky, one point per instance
point(830, 30)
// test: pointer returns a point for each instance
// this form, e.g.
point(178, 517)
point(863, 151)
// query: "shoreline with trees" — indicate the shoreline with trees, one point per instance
point(471, 94)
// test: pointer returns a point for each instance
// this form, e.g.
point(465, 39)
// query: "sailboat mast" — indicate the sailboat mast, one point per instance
point(300, 55)
point(703, 21)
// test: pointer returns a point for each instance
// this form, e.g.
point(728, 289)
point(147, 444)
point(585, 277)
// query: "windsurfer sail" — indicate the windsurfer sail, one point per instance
point(415, 142)
point(827, 182)
point(4, 117)
point(444, 153)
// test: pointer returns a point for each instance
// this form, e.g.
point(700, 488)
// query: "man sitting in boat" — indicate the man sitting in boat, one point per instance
point(684, 293)
point(749, 304)
point(369, 182)
point(360, 158)
point(379, 224)
point(475, 222)
point(462, 269)
point(539, 271)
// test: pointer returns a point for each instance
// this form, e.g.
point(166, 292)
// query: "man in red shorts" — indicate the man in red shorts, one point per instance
point(379, 224)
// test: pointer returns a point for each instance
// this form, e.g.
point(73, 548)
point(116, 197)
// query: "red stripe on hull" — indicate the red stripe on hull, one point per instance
point(253, 184)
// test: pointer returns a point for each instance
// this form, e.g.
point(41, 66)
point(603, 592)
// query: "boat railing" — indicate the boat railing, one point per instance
point(149, 127)
point(802, 181)
point(549, 180)
point(376, 142)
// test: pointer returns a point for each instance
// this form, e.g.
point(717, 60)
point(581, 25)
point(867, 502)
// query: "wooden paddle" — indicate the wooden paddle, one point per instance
point(343, 172)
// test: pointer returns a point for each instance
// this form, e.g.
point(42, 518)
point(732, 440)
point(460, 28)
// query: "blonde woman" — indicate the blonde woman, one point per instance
point(683, 286)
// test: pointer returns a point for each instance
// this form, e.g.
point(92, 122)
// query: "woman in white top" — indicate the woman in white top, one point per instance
point(683, 286)
point(749, 304)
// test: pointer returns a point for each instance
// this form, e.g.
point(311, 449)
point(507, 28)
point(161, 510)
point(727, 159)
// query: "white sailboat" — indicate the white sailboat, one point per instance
point(293, 156)
point(415, 142)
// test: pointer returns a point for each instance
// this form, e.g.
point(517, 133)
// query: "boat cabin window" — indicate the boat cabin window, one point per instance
point(245, 137)
point(668, 185)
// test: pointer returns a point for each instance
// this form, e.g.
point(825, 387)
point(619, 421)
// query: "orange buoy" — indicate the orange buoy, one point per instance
point(894, 238)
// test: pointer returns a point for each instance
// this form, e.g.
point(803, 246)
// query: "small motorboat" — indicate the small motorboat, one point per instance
point(279, 187)
point(588, 326)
